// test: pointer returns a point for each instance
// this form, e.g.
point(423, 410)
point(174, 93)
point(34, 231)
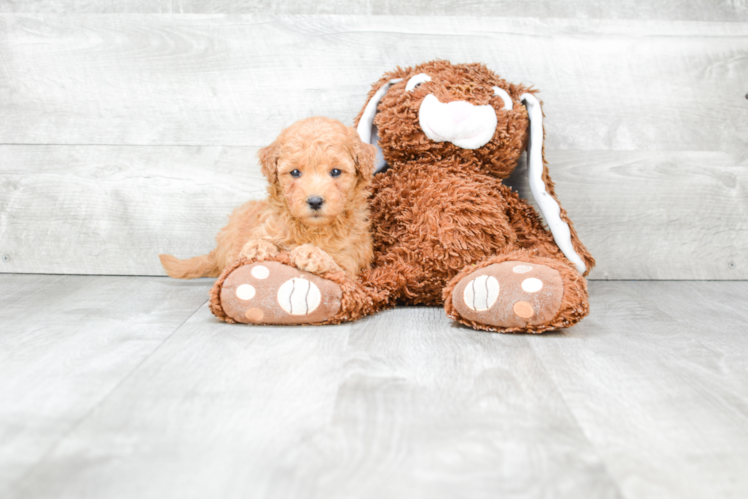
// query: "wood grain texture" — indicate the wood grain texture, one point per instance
point(223, 407)
point(403, 404)
point(429, 409)
point(672, 10)
point(656, 377)
point(66, 343)
point(237, 80)
point(645, 398)
point(129, 135)
point(113, 209)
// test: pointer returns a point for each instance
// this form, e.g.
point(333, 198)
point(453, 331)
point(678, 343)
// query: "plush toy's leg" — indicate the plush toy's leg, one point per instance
point(274, 292)
point(517, 292)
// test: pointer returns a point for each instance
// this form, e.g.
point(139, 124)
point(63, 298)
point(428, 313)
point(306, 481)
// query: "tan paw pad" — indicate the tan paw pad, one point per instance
point(523, 309)
point(510, 294)
point(272, 293)
point(254, 315)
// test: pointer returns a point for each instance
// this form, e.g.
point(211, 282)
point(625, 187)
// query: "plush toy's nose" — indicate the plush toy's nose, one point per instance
point(459, 110)
point(463, 124)
point(315, 202)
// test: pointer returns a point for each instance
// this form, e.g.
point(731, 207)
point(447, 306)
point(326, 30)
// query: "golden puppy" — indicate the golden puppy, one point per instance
point(319, 173)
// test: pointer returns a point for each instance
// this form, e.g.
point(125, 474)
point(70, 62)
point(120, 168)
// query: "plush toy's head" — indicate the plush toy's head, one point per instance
point(441, 110)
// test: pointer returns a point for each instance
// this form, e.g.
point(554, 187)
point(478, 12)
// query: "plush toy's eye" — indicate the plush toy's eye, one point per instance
point(335, 172)
point(416, 81)
point(295, 173)
point(508, 105)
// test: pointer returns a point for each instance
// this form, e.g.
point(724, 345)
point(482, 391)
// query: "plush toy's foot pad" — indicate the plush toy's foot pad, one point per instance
point(271, 293)
point(510, 294)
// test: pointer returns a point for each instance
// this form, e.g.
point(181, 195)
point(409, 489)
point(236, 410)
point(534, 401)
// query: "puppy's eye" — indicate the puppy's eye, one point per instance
point(295, 173)
point(335, 172)
point(416, 81)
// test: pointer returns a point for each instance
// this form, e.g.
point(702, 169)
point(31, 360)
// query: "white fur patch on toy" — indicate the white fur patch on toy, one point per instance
point(463, 124)
point(245, 292)
point(366, 129)
point(548, 206)
point(481, 293)
point(521, 269)
point(508, 104)
point(532, 285)
point(299, 296)
point(260, 272)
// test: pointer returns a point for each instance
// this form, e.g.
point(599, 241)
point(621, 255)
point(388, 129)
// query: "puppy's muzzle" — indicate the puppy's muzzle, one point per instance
point(315, 202)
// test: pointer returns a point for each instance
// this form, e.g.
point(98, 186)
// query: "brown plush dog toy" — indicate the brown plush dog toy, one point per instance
point(446, 230)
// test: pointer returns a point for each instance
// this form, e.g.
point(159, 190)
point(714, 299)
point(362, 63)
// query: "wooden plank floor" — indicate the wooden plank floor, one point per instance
point(128, 386)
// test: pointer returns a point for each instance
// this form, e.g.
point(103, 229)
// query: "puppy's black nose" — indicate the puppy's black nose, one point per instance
point(315, 202)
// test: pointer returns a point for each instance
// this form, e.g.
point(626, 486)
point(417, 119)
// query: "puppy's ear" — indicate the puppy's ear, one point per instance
point(364, 155)
point(269, 162)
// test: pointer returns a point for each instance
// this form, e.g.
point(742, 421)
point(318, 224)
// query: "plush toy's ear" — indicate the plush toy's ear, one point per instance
point(269, 162)
point(366, 129)
point(542, 189)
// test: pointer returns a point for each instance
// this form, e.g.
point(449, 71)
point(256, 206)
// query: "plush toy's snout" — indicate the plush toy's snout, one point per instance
point(463, 124)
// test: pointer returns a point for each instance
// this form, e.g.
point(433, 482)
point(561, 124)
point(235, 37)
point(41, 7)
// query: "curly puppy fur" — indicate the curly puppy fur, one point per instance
point(319, 174)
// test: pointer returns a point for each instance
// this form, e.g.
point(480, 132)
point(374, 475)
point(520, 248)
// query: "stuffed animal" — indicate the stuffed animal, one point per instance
point(446, 230)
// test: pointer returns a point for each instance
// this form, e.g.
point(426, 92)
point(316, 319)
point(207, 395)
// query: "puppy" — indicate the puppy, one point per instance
point(319, 174)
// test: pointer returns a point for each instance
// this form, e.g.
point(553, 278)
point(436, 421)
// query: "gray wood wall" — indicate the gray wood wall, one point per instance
point(129, 128)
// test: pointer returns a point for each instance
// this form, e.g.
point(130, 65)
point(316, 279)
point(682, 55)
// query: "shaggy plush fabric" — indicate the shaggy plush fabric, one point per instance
point(441, 217)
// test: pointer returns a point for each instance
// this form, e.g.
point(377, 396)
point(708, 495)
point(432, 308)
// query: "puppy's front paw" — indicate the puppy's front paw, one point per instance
point(310, 258)
point(259, 250)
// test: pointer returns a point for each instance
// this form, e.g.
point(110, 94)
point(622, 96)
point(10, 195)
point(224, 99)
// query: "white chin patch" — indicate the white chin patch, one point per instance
point(463, 124)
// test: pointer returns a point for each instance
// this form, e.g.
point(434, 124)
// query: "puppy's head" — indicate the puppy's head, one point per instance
point(319, 168)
